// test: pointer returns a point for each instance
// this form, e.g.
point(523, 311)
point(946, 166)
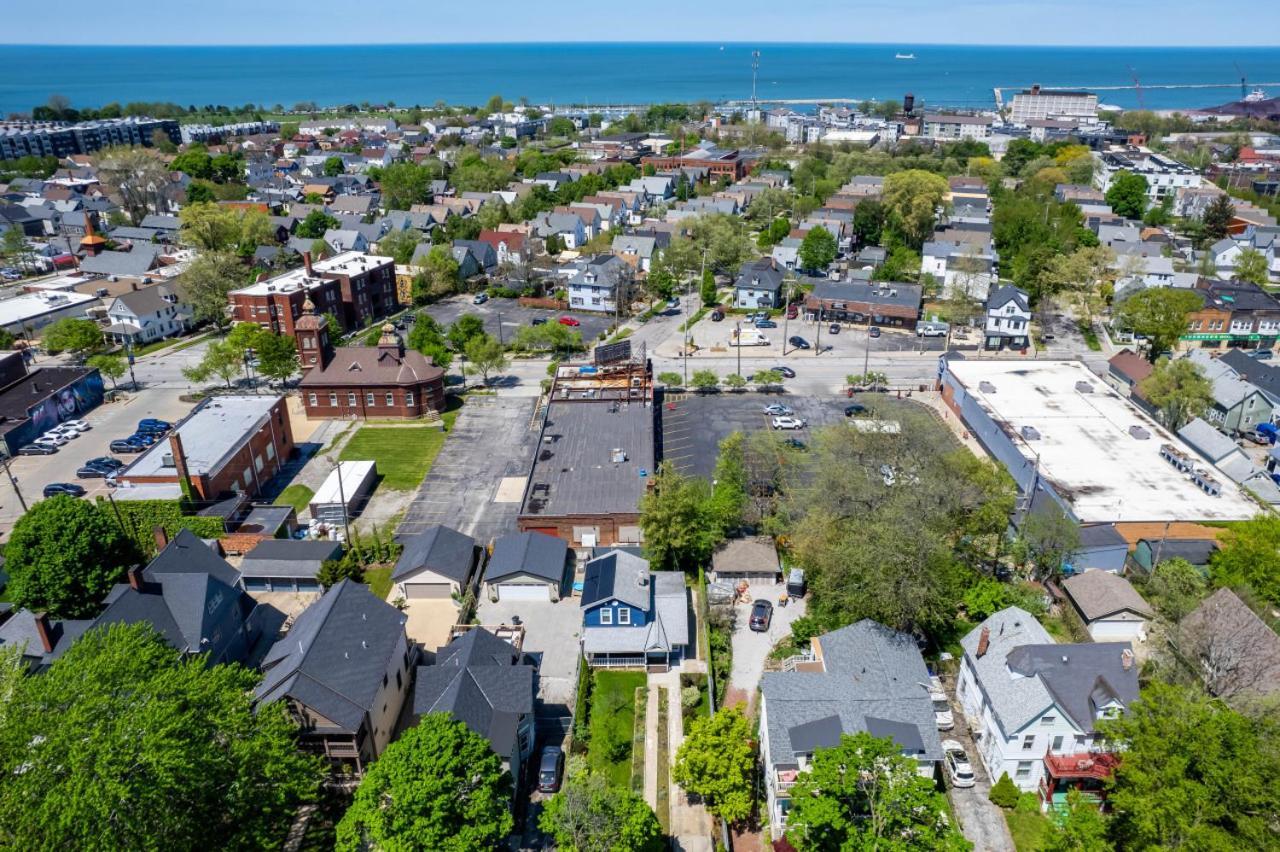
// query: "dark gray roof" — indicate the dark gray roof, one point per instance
point(20, 630)
point(335, 656)
point(1006, 293)
point(439, 549)
point(283, 557)
point(1195, 550)
point(533, 553)
point(874, 680)
point(478, 680)
point(136, 262)
point(161, 222)
point(1080, 678)
point(187, 553)
point(1101, 535)
point(618, 576)
point(876, 293)
point(759, 275)
point(1264, 377)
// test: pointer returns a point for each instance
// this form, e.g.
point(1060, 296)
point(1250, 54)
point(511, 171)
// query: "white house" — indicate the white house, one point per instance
point(1112, 611)
point(1033, 704)
point(595, 286)
point(961, 267)
point(1008, 319)
point(1165, 175)
point(148, 314)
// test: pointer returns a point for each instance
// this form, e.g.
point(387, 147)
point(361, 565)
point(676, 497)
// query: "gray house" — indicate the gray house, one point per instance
point(527, 566)
point(759, 285)
point(864, 677)
point(483, 682)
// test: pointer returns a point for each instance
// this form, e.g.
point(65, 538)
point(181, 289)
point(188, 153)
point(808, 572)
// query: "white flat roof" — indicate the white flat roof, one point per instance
point(345, 263)
point(219, 426)
point(353, 474)
point(29, 306)
point(1085, 449)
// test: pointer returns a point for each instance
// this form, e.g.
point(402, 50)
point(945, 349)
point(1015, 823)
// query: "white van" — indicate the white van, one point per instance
point(747, 337)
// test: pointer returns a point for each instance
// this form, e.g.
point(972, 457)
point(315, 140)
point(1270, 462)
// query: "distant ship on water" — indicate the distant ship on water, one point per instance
point(1255, 96)
point(904, 56)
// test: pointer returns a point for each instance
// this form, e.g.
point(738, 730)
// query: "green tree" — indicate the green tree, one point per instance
point(314, 225)
point(136, 176)
point(438, 788)
point(463, 329)
point(716, 763)
point(911, 201)
point(400, 245)
point(195, 163)
point(222, 359)
point(678, 520)
point(1250, 554)
point(735, 382)
point(1127, 195)
point(111, 365)
point(704, 380)
point(200, 192)
point(1048, 539)
point(207, 281)
point(334, 571)
point(277, 356)
point(818, 249)
point(707, 291)
point(64, 555)
point(1176, 587)
point(13, 247)
point(426, 337)
point(210, 226)
point(865, 794)
point(404, 184)
point(1252, 267)
point(125, 727)
point(868, 222)
point(1160, 315)
point(764, 378)
point(725, 240)
point(1195, 774)
point(1217, 218)
point(550, 336)
point(588, 815)
point(440, 272)
point(1004, 793)
point(1081, 828)
point(77, 336)
point(1179, 388)
point(333, 166)
point(487, 355)
point(671, 379)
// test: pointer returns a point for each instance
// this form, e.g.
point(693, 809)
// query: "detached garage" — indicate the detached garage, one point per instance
point(286, 565)
point(527, 566)
point(437, 564)
point(1110, 608)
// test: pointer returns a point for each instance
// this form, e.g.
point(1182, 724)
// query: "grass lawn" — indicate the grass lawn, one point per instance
point(379, 580)
point(1030, 829)
point(297, 495)
point(612, 719)
point(403, 453)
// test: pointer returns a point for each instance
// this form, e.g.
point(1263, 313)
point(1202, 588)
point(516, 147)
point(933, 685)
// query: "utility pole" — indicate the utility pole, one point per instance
point(342, 495)
point(786, 317)
point(817, 343)
point(866, 353)
point(128, 350)
point(501, 342)
point(737, 327)
point(13, 482)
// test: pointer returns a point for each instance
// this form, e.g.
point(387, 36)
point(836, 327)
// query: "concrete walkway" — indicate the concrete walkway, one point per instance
point(651, 748)
point(691, 825)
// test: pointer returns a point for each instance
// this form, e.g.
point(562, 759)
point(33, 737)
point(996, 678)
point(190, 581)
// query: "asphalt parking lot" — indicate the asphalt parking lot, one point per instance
point(694, 424)
point(513, 317)
point(109, 421)
point(477, 480)
point(850, 341)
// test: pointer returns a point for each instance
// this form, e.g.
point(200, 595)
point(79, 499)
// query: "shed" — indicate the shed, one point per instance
point(286, 565)
point(1109, 606)
point(527, 566)
point(437, 563)
point(1101, 547)
point(344, 492)
point(752, 558)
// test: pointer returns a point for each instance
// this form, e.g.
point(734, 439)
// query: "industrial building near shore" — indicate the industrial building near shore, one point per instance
point(1062, 432)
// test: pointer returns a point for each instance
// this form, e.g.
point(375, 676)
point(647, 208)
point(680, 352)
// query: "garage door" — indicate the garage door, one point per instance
point(524, 592)
point(417, 591)
point(257, 584)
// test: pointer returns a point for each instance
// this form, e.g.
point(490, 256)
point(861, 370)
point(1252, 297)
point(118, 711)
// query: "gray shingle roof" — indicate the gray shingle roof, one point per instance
point(618, 576)
point(667, 629)
point(140, 260)
point(439, 549)
point(477, 679)
point(335, 656)
point(1099, 594)
point(282, 557)
point(532, 553)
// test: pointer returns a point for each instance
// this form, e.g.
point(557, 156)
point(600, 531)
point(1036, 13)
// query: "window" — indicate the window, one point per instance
point(399, 682)
point(1057, 743)
point(333, 399)
point(1047, 721)
point(1024, 769)
point(1080, 738)
point(369, 398)
point(606, 616)
point(408, 397)
point(311, 399)
point(391, 398)
point(351, 398)
point(624, 615)
point(1028, 742)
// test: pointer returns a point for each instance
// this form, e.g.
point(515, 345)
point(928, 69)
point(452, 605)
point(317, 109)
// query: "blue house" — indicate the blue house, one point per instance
point(632, 616)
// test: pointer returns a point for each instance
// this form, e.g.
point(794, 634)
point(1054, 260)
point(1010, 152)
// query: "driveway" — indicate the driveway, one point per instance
point(750, 649)
point(551, 638)
point(428, 622)
point(982, 823)
point(477, 480)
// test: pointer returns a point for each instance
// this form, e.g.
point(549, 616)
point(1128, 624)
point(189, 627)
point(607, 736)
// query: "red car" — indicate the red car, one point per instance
point(570, 321)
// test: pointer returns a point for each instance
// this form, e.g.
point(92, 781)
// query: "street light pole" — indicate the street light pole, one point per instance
point(737, 327)
point(13, 482)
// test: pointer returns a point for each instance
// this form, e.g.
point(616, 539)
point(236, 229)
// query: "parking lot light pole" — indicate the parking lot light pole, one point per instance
point(737, 327)
point(501, 342)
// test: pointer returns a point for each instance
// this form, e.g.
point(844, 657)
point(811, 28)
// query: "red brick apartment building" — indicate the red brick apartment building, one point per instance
point(720, 162)
point(355, 287)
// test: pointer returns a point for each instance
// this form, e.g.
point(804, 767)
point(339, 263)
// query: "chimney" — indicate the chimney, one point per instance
point(306, 263)
point(984, 641)
point(262, 276)
point(1126, 659)
point(161, 537)
point(180, 464)
point(133, 285)
point(45, 631)
point(135, 578)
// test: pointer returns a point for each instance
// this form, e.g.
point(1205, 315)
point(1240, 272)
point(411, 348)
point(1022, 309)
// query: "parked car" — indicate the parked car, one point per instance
point(761, 616)
point(69, 488)
point(795, 444)
point(854, 408)
point(942, 715)
point(150, 424)
point(958, 768)
point(570, 321)
point(717, 315)
point(50, 439)
point(106, 461)
point(127, 445)
point(788, 423)
point(834, 328)
point(78, 425)
point(798, 342)
point(37, 450)
point(90, 470)
point(777, 409)
point(538, 321)
point(787, 372)
point(480, 299)
point(874, 331)
point(1264, 354)
point(792, 312)
point(766, 323)
point(550, 766)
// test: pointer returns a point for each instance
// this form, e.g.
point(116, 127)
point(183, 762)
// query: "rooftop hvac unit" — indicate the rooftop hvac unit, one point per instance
point(167, 460)
point(1029, 433)
point(617, 456)
point(986, 387)
point(1084, 387)
point(1139, 433)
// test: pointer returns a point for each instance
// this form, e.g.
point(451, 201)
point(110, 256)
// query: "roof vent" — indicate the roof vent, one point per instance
point(986, 387)
point(1030, 433)
point(1139, 433)
point(617, 456)
point(1084, 387)
point(642, 580)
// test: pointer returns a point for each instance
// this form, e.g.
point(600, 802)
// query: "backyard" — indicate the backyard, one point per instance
point(296, 495)
point(403, 454)
point(1030, 829)
point(612, 716)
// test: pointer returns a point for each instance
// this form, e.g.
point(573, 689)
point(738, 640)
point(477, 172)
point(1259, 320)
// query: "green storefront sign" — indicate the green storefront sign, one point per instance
point(1222, 336)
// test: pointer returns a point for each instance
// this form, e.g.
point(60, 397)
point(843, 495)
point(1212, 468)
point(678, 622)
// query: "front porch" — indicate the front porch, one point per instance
point(1085, 773)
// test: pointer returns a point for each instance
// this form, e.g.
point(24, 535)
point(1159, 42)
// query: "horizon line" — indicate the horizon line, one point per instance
point(578, 42)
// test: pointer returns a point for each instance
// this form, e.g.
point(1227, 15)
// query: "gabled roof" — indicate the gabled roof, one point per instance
point(284, 557)
point(532, 553)
point(1264, 377)
point(187, 553)
point(335, 656)
point(1130, 365)
point(1005, 293)
point(759, 275)
point(1099, 594)
point(618, 576)
point(19, 630)
point(478, 680)
point(438, 549)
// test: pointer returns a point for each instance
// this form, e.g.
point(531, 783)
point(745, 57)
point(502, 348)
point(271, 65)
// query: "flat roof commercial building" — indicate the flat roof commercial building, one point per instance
point(1055, 425)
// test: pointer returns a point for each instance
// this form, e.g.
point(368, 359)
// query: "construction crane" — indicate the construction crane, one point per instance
point(1137, 86)
point(1244, 83)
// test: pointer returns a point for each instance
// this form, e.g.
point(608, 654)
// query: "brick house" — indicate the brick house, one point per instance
point(355, 287)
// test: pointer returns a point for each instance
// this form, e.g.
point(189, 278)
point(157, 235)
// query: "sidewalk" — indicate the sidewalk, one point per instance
point(691, 825)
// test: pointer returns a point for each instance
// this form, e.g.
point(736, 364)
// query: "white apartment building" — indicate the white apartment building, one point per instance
point(1039, 104)
point(1165, 175)
point(952, 128)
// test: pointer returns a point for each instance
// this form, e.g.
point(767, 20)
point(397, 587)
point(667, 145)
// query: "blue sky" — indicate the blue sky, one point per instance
point(1081, 22)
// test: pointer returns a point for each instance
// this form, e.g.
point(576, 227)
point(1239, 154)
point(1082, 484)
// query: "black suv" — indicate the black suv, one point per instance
point(761, 615)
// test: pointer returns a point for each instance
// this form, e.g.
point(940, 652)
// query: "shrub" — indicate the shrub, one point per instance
point(689, 697)
point(1004, 794)
point(1028, 803)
